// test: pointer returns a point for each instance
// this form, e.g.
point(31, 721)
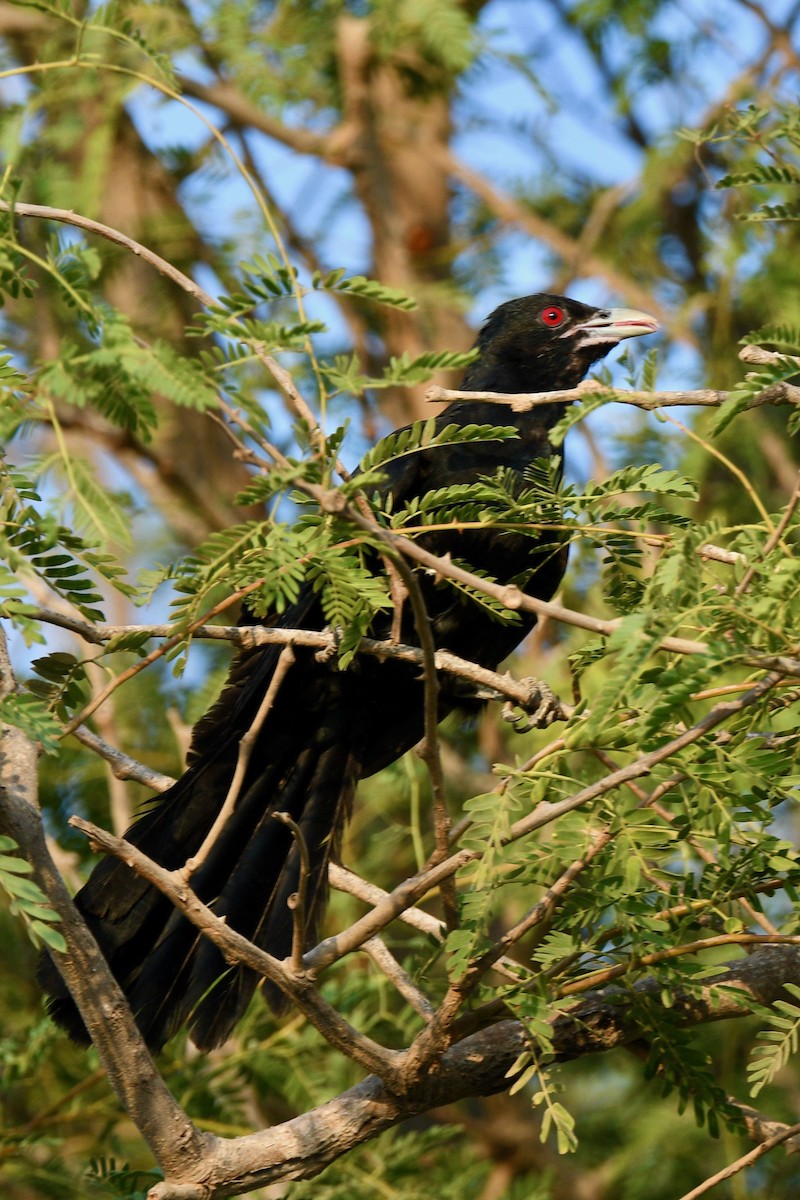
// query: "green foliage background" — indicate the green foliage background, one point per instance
point(107, 373)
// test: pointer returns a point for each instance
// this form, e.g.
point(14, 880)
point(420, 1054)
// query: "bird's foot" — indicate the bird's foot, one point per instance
point(328, 653)
point(541, 708)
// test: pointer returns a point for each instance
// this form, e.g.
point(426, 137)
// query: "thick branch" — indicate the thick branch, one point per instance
point(476, 1066)
point(130, 1069)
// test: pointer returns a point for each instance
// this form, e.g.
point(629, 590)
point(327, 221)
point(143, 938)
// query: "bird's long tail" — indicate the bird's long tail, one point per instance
point(171, 974)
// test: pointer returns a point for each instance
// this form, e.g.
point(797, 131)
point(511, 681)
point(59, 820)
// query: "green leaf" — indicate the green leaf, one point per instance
point(378, 293)
point(26, 899)
point(34, 718)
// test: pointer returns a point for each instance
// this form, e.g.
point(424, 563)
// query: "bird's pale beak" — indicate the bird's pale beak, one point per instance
point(615, 324)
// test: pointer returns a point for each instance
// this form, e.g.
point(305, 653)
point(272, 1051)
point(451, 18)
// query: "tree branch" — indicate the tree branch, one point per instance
point(236, 948)
point(46, 213)
point(284, 664)
point(162, 1122)
point(248, 637)
point(783, 1135)
point(336, 146)
point(776, 393)
point(475, 1066)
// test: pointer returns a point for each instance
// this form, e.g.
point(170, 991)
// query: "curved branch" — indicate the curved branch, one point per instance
point(478, 1065)
point(67, 217)
point(298, 986)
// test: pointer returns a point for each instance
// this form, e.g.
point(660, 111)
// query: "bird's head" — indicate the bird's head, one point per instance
point(542, 343)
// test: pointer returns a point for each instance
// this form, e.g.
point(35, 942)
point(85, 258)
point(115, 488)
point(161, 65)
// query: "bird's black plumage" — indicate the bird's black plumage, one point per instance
point(329, 728)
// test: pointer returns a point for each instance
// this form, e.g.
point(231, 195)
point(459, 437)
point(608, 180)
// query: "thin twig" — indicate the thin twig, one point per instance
point(431, 753)
point(718, 554)
point(707, 857)
point(298, 901)
point(540, 912)
point(773, 539)
point(281, 376)
point(746, 1160)
point(154, 655)
point(595, 979)
point(728, 464)
point(401, 980)
point(285, 661)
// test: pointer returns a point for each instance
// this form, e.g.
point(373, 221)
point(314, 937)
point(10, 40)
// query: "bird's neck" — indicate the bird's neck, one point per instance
point(515, 375)
point(533, 426)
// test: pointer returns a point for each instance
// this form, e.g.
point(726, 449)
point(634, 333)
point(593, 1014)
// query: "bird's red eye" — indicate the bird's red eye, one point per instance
point(552, 316)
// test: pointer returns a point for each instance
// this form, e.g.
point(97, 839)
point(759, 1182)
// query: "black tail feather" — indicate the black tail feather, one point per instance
point(171, 974)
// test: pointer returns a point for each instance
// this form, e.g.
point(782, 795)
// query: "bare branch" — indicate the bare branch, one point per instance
point(236, 948)
point(747, 1160)
point(347, 881)
point(250, 636)
point(388, 964)
point(46, 213)
point(718, 554)
point(130, 1069)
point(335, 146)
point(777, 393)
point(430, 752)
point(122, 765)
point(285, 661)
point(298, 902)
point(761, 357)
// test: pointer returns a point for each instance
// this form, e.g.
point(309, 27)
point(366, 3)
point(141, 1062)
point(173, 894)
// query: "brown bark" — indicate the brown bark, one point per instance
point(400, 134)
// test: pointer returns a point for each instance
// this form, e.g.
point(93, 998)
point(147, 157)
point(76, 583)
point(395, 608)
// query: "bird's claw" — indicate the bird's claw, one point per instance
point(541, 707)
point(327, 653)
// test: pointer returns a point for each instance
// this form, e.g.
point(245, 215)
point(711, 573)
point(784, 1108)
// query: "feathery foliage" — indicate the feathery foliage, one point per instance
point(617, 860)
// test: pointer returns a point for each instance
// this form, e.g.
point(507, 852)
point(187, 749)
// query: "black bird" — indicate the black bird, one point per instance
point(330, 728)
